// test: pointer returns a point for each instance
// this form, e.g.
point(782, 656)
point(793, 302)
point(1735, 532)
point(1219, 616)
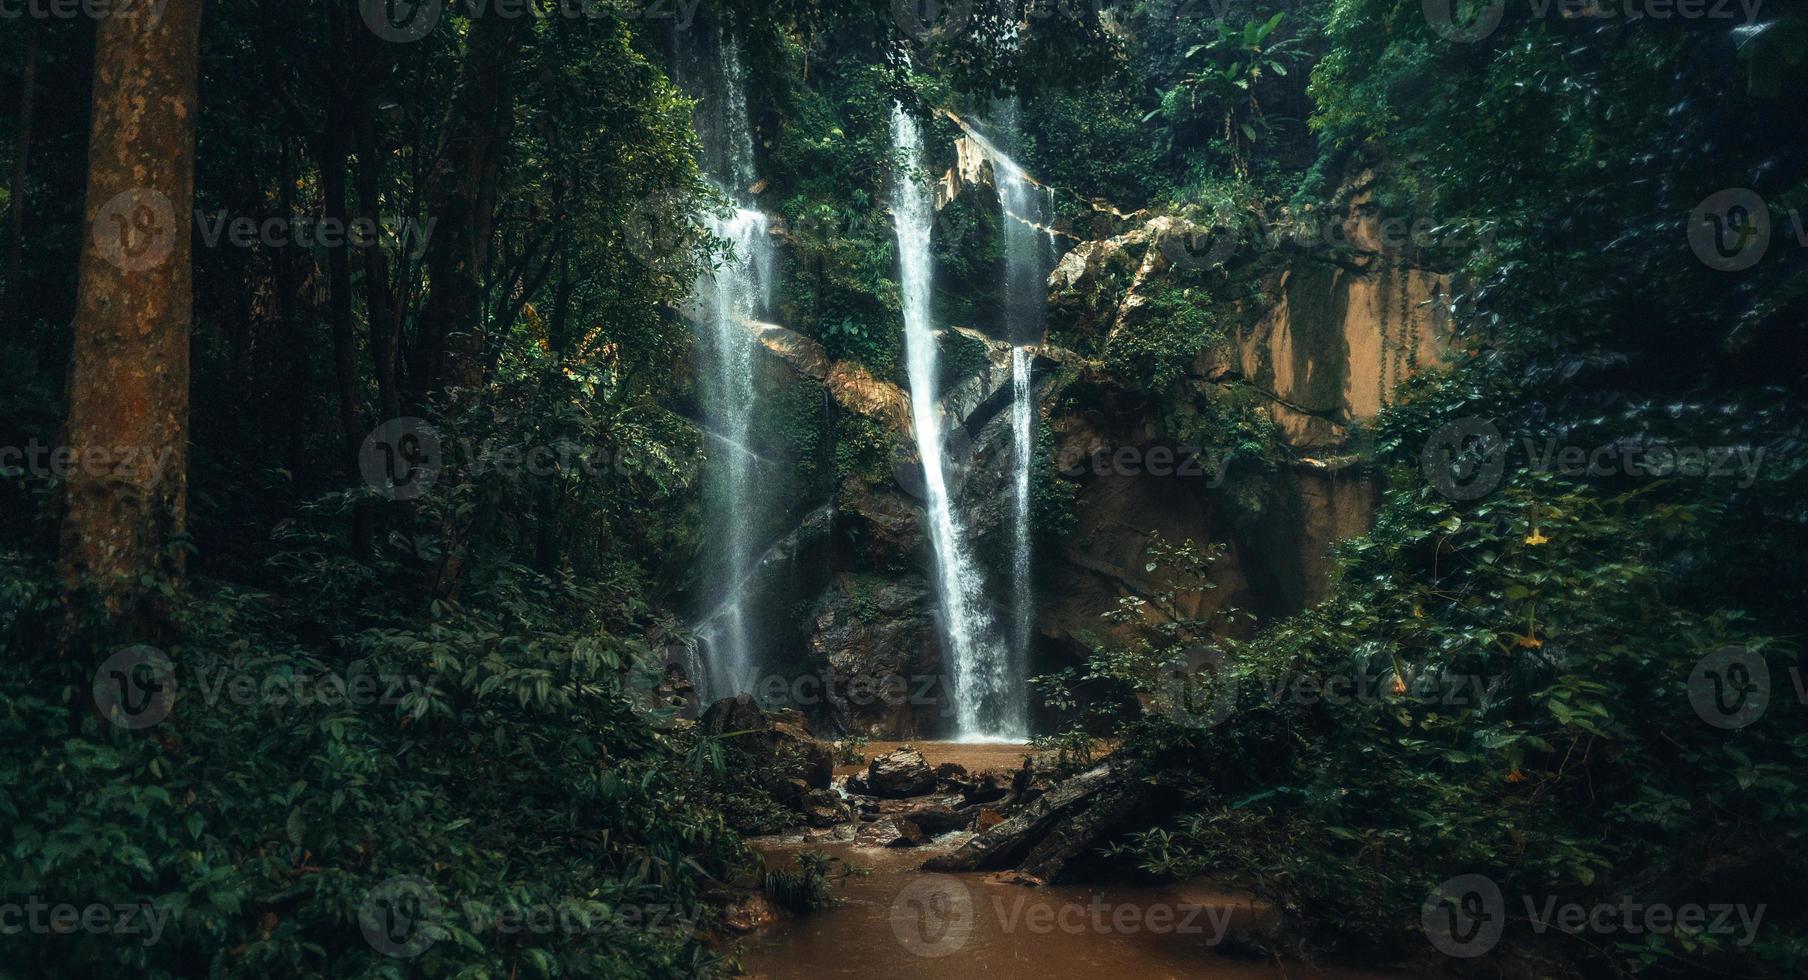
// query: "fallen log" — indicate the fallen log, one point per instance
point(1042, 837)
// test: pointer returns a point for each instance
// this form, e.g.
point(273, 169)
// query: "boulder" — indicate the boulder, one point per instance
point(938, 818)
point(824, 808)
point(987, 787)
point(900, 774)
point(873, 642)
point(749, 912)
point(779, 741)
point(893, 831)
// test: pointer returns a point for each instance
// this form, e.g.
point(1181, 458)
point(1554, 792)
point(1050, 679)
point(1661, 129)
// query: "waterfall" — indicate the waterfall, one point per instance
point(978, 668)
point(1023, 441)
point(736, 290)
point(1029, 255)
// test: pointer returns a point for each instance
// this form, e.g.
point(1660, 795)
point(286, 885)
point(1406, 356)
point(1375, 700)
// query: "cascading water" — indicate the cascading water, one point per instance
point(736, 290)
point(1023, 446)
point(1025, 209)
point(984, 706)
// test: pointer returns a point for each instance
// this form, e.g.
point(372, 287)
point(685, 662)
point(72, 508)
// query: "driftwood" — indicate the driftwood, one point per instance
point(1057, 827)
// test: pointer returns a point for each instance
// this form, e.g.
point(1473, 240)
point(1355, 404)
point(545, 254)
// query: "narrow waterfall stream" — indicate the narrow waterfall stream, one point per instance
point(1029, 255)
point(977, 661)
point(737, 289)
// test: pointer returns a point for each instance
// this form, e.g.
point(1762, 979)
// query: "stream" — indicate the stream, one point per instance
point(899, 922)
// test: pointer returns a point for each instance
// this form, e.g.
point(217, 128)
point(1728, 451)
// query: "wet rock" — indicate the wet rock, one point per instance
point(893, 831)
point(987, 787)
point(749, 912)
point(937, 818)
point(872, 641)
point(779, 743)
point(790, 792)
point(840, 833)
point(899, 774)
point(825, 808)
point(1040, 839)
point(986, 819)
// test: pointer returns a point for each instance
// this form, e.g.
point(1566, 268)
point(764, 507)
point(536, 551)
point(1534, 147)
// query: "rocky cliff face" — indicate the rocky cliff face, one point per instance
point(1307, 357)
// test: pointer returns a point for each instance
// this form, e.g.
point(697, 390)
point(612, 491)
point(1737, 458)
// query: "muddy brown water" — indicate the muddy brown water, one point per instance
point(899, 922)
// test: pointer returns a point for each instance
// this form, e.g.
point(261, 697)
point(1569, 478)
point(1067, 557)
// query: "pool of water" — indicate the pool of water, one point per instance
point(901, 923)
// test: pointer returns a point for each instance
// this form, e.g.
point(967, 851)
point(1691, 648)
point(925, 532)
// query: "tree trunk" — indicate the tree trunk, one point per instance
point(348, 380)
point(13, 301)
point(128, 385)
point(1059, 826)
point(462, 190)
point(382, 307)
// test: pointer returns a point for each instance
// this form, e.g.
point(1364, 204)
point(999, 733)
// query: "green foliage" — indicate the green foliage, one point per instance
point(1053, 496)
point(1157, 351)
point(1063, 128)
point(850, 750)
point(1225, 79)
point(863, 450)
point(501, 755)
point(809, 883)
